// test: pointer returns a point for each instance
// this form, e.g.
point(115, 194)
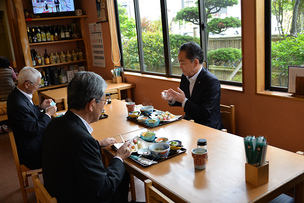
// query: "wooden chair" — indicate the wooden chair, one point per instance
point(42, 194)
point(228, 118)
point(22, 171)
point(65, 103)
point(153, 195)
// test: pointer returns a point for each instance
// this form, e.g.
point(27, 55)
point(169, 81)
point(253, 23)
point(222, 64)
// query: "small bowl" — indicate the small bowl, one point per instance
point(147, 110)
point(159, 150)
point(152, 122)
point(148, 136)
point(142, 119)
point(161, 139)
point(134, 114)
point(175, 144)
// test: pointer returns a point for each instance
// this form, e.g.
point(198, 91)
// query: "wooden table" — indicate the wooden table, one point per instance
point(58, 95)
point(224, 178)
point(3, 111)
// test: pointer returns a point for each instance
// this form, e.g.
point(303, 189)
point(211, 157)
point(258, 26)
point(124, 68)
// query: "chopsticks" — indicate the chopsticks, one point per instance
point(123, 141)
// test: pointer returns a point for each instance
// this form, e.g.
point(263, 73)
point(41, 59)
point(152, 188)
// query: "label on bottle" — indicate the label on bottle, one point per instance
point(62, 35)
point(38, 37)
point(43, 37)
point(48, 37)
point(47, 61)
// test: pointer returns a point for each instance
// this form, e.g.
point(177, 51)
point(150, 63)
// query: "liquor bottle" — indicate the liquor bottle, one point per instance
point(67, 32)
point(34, 36)
point(56, 35)
point(52, 30)
point(45, 78)
point(80, 55)
point(74, 56)
point(68, 57)
point(57, 57)
point(38, 34)
point(43, 35)
point(53, 58)
point(42, 79)
point(62, 34)
point(29, 35)
point(62, 57)
point(33, 59)
point(59, 32)
point(38, 59)
point(48, 33)
point(42, 60)
point(62, 76)
point(46, 58)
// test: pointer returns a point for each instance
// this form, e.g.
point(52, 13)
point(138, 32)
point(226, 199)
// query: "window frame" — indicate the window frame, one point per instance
point(268, 36)
point(165, 31)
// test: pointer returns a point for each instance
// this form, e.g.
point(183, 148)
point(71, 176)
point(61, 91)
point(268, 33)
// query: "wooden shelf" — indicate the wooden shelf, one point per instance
point(56, 42)
point(52, 87)
point(59, 64)
point(54, 18)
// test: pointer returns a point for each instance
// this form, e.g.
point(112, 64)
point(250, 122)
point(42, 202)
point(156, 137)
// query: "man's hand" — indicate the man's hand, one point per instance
point(124, 151)
point(51, 110)
point(106, 142)
point(165, 96)
point(46, 103)
point(178, 95)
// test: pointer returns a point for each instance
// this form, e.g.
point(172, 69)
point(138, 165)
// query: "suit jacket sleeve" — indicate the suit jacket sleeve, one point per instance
point(98, 181)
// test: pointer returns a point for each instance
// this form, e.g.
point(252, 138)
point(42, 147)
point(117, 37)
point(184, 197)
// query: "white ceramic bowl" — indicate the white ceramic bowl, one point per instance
point(159, 150)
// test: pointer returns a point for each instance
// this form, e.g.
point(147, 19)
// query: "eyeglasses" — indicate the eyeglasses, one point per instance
point(105, 102)
point(33, 83)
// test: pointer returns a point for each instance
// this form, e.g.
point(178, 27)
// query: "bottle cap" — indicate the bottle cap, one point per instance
point(201, 142)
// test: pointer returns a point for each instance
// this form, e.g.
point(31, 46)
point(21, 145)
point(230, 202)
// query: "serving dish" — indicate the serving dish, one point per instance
point(148, 136)
point(159, 150)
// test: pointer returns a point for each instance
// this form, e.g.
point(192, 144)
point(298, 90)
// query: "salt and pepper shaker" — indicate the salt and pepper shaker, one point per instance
point(202, 143)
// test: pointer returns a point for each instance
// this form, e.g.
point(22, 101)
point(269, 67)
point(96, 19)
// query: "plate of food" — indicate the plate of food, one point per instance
point(148, 136)
point(167, 117)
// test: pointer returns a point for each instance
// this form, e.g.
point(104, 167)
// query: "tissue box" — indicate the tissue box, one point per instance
point(257, 175)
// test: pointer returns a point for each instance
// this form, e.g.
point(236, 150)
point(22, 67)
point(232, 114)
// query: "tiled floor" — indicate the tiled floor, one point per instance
point(9, 184)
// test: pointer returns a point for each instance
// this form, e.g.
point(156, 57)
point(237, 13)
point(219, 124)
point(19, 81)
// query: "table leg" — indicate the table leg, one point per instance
point(299, 192)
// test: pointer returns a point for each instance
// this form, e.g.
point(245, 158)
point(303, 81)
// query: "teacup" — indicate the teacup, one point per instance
point(199, 156)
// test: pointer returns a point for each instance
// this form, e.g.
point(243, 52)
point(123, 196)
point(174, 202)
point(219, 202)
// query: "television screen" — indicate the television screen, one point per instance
point(53, 7)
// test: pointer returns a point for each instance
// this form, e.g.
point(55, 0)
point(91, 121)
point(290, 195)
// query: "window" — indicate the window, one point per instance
point(151, 33)
point(284, 41)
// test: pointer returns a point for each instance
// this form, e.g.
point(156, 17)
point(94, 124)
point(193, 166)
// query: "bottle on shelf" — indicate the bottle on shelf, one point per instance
point(52, 33)
point(46, 58)
point(29, 35)
point(56, 34)
point(38, 34)
point(68, 57)
point(33, 59)
point(42, 79)
point(43, 35)
point(59, 32)
point(80, 55)
point(48, 33)
point(46, 82)
point(62, 34)
point(53, 58)
point(34, 35)
point(42, 60)
point(74, 56)
point(57, 57)
point(38, 60)
point(67, 32)
point(62, 57)
point(63, 76)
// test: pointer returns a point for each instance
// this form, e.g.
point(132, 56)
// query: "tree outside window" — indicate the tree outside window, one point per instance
point(224, 55)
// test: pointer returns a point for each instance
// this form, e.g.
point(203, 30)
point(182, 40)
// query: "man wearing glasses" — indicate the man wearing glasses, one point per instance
point(27, 120)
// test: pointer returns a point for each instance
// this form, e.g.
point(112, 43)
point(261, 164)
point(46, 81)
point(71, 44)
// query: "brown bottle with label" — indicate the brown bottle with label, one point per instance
point(68, 56)
point(46, 58)
point(62, 57)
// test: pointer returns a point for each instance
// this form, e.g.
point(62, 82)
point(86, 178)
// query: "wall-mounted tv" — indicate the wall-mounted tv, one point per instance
point(48, 8)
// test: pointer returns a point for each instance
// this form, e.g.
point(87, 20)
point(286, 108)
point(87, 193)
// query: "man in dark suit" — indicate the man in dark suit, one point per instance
point(27, 120)
point(73, 170)
point(199, 92)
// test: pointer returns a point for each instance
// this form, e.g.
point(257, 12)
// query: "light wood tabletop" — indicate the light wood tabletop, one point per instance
point(223, 180)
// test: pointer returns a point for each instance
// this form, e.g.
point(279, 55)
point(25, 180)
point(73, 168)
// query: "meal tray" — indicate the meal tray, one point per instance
point(147, 126)
point(171, 154)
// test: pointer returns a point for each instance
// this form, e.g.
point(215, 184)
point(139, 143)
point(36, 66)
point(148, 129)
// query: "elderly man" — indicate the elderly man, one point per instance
point(72, 167)
point(27, 120)
point(199, 92)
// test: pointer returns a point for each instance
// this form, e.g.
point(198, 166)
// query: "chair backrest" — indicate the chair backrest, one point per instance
point(22, 171)
point(228, 117)
point(42, 194)
point(153, 195)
